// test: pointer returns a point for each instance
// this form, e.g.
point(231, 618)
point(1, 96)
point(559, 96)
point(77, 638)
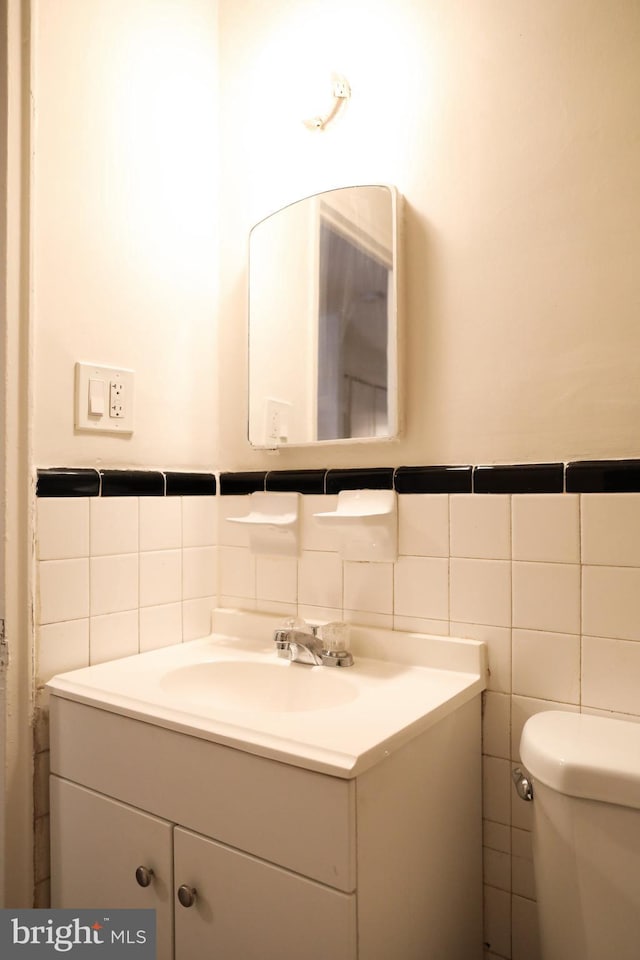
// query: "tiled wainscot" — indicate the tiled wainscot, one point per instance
point(542, 562)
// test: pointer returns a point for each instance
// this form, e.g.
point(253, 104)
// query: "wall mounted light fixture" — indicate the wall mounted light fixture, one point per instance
point(341, 92)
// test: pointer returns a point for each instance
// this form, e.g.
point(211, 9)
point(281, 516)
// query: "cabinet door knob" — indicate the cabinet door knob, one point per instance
point(144, 876)
point(186, 895)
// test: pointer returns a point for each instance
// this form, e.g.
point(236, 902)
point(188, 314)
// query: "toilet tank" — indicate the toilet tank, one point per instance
point(586, 834)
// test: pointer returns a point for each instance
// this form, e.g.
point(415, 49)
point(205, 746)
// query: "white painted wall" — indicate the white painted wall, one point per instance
point(125, 223)
point(511, 129)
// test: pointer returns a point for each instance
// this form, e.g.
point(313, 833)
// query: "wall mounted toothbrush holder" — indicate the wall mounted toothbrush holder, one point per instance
point(368, 524)
point(273, 523)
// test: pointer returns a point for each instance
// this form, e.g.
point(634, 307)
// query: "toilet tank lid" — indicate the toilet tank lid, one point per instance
point(580, 755)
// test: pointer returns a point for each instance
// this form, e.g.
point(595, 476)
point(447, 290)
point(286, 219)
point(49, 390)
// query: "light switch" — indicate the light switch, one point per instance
point(103, 398)
point(96, 397)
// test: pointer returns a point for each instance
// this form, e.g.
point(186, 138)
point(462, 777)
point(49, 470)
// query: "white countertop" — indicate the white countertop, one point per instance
point(338, 720)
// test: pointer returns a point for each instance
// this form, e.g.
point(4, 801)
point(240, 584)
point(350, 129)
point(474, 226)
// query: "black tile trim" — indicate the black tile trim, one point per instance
point(233, 484)
point(519, 478)
point(132, 483)
point(67, 482)
point(190, 484)
point(296, 481)
point(433, 479)
point(377, 478)
point(580, 476)
point(603, 476)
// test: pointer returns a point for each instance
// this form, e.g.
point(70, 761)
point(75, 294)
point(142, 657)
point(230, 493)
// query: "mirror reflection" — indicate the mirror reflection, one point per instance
point(323, 319)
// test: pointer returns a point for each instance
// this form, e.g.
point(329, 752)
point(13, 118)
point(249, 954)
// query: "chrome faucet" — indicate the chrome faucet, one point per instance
point(301, 646)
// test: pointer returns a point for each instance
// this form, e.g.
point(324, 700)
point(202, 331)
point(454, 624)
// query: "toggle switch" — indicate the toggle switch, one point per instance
point(96, 398)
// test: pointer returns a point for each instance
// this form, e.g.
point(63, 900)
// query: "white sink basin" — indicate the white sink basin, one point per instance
point(231, 688)
point(273, 687)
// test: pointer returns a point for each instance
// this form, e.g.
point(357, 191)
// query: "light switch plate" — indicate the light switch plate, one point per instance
point(118, 393)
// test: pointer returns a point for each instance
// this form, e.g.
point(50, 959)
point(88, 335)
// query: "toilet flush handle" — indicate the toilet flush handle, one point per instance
point(524, 787)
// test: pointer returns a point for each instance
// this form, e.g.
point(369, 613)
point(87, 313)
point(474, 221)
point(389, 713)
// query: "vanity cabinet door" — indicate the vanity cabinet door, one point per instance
point(97, 845)
point(249, 909)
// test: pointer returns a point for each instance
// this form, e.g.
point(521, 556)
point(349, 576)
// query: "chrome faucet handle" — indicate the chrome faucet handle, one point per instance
point(337, 658)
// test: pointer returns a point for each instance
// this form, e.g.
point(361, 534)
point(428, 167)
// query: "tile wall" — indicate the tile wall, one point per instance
point(550, 581)
point(116, 576)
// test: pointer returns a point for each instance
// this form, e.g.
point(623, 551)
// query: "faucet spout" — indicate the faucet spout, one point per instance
point(300, 646)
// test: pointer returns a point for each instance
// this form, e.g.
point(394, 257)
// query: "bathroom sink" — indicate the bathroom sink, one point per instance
point(271, 687)
point(231, 688)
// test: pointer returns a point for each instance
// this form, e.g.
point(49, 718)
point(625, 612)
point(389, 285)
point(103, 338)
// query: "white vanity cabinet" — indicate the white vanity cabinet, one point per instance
point(289, 861)
point(237, 905)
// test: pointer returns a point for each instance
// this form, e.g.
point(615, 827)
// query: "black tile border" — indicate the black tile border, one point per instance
point(519, 478)
point(603, 476)
point(67, 482)
point(190, 484)
point(81, 482)
point(132, 483)
point(434, 479)
point(296, 481)
point(235, 484)
point(374, 478)
point(577, 476)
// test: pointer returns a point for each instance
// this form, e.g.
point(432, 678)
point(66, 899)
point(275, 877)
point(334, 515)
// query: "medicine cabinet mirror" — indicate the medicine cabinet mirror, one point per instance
point(323, 319)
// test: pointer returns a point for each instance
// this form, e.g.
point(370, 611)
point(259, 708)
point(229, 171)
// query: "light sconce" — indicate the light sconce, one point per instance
point(341, 92)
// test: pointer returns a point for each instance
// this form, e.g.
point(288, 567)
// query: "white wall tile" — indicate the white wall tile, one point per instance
point(236, 572)
point(369, 618)
point(233, 534)
point(480, 526)
point(200, 521)
point(63, 590)
point(368, 587)
point(546, 527)
point(496, 868)
point(62, 647)
point(523, 882)
point(113, 525)
point(160, 626)
point(481, 591)
point(114, 584)
point(496, 724)
point(421, 625)
point(320, 579)
point(277, 579)
point(546, 596)
point(611, 674)
point(421, 587)
point(497, 921)
point(546, 665)
point(281, 607)
point(423, 525)
point(199, 572)
point(160, 577)
point(496, 836)
point(498, 641)
point(525, 940)
point(160, 523)
point(496, 789)
point(196, 617)
point(318, 534)
point(113, 635)
point(522, 843)
point(611, 529)
point(62, 527)
point(611, 602)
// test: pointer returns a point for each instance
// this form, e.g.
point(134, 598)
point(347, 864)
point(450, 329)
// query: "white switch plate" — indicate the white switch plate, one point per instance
point(118, 399)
